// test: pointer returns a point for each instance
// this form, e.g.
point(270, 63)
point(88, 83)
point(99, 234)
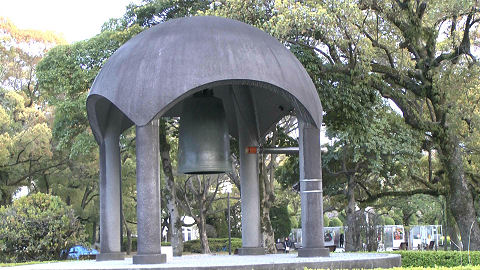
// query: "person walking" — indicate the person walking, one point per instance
point(342, 239)
point(287, 244)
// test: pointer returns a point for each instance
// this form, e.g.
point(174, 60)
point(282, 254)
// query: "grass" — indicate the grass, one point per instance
point(24, 263)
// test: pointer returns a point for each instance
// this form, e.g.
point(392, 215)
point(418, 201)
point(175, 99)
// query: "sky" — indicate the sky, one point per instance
point(75, 20)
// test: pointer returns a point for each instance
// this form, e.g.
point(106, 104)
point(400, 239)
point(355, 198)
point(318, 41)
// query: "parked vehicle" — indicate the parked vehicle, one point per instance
point(80, 252)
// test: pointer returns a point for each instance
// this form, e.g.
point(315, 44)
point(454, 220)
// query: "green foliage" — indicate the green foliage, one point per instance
point(439, 258)
point(348, 105)
point(134, 244)
point(38, 227)
point(288, 173)
point(397, 218)
point(335, 222)
point(326, 221)
point(381, 220)
point(389, 221)
point(65, 75)
point(416, 209)
point(280, 218)
point(468, 267)
point(152, 12)
point(25, 143)
point(215, 244)
point(220, 222)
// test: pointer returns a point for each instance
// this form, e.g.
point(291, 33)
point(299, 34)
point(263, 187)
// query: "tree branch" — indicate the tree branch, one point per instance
point(400, 80)
point(375, 43)
point(380, 195)
point(32, 173)
point(313, 48)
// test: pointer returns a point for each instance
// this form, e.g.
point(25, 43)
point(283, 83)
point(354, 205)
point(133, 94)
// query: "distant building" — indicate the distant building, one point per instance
point(188, 232)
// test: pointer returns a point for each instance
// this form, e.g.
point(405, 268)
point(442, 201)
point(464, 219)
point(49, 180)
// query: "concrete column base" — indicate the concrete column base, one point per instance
point(149, 259)
point(114, 256)
point(251, 251)
point(313, 252)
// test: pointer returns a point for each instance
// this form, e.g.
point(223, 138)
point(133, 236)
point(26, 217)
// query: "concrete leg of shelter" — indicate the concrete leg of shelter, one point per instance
point(311, 194)
point(250, 190)
point(110, 202)
point(250, 203)
point(148, 195)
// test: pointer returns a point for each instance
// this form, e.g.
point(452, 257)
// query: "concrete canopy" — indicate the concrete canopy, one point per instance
point(153, 72)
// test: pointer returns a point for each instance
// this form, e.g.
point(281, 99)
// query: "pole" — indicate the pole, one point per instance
point(272, 150)
point(229, 229)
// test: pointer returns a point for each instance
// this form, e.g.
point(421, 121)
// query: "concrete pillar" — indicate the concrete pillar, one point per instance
point(110, 202)
point(311, 194)
point(148, 195)
point(249, 185)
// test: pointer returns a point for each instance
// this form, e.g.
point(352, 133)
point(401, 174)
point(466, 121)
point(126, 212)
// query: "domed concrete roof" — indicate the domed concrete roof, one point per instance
point(154, 71)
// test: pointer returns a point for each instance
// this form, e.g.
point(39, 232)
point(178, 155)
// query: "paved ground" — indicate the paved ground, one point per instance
point(272, 261)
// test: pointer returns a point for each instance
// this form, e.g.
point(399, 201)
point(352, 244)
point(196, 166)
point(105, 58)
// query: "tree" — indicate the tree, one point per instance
point(20, 52)
point(153, 12)
point(399, 49)
point(26, 155)
point(25, 145)
point(279, 137)
point(411, 52)
point(370, 163)
point(38, 227)
point(175, 223)
point(196, 197)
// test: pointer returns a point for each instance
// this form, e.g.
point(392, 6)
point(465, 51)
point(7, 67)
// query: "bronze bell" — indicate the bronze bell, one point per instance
point(204, 145)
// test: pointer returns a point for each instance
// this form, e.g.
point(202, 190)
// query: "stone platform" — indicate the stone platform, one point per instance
point(207, 262)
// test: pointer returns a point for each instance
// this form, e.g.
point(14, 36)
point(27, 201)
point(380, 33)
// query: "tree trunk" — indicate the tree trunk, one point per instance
point(352, 233)
point(452, 230)
point(175, 224)
point(129, 241)
point(371, 233)
point(461, 200)
point(267, 197)
point(129, 235)
point(202, 227)
point(94, 232)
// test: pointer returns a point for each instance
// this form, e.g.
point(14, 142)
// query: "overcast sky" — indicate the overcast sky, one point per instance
point(76, 20)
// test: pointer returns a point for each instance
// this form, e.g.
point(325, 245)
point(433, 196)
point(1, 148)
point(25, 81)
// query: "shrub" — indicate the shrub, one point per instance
point(38, 227)
point(134, 244)
point(280, 219)
point(335, 222)
point(423, 268)
point(215, 244)
point(438, 258)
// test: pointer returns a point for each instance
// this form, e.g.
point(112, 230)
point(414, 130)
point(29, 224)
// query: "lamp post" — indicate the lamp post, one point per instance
point(227, 188)
point(229, 229)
